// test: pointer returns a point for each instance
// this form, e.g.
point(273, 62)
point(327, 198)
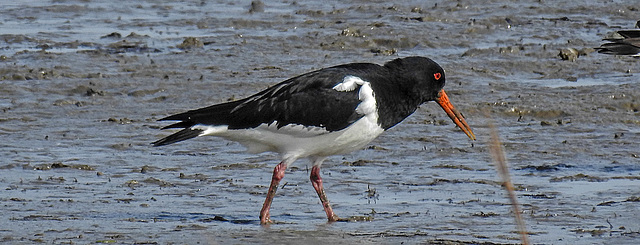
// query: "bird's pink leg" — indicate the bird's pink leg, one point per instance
point(316, 181)
point(278, 174)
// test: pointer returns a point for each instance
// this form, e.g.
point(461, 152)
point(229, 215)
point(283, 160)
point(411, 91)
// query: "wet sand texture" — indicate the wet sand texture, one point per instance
point(82, 84)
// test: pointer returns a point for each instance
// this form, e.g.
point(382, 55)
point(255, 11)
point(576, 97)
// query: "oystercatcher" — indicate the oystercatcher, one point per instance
point(623, 42)
point(326, 112)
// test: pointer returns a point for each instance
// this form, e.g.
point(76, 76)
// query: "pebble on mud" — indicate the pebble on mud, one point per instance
point(120, 121)
point(115, 35)
point(386, 52)
point(93, 92)
point(570, 54)
point(121, 146)
point(351, 32)
point(132, 183)
point(509, 50)
point(190, 43)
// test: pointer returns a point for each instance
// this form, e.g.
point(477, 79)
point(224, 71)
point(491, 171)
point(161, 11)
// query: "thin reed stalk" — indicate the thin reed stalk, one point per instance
point(500, 161)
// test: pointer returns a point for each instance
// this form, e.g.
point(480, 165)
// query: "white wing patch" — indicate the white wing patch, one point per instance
point(349, 83)
point(368, 105)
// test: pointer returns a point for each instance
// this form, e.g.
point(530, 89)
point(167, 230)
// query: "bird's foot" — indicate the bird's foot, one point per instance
point(266, 222)
point(265, 219)
point(335, 218)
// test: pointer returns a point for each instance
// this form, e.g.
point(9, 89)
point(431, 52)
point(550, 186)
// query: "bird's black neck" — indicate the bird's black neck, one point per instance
point(392, 108)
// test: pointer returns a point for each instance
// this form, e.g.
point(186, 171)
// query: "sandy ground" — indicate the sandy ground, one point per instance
point(82, 84)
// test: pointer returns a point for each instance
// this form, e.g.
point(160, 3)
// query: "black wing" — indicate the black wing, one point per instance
point(308, 99)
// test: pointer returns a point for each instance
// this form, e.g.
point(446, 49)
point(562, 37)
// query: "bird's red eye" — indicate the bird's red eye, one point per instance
point(437, 76)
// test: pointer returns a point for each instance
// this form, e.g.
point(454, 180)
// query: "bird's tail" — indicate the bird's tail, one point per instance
point(181, 135)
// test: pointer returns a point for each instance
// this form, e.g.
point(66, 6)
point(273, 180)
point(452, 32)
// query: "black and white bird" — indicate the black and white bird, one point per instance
point(623, 42)
point(326, 112)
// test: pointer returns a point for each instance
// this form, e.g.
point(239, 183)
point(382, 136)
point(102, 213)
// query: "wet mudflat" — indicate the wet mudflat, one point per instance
point(82, 84)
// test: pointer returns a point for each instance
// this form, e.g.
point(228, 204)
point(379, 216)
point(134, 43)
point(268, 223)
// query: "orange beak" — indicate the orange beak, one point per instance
point(456, 117)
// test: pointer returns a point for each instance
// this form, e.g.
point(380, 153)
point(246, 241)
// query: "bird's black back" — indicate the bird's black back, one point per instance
point(308, 99)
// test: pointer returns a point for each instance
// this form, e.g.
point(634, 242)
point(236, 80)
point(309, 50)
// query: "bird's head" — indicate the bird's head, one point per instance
point(425, 79)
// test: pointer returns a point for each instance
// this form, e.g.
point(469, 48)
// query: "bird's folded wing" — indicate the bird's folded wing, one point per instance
point(308, 100)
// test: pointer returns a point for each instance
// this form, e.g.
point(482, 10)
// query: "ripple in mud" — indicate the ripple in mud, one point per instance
point(579, 177)
point(59, 165)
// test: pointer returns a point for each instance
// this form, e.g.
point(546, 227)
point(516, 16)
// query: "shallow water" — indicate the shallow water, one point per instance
point(80, 104)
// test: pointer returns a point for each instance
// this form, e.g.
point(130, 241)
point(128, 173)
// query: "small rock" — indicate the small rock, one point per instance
point(569, 54)
point(191, 42)
point(93, 92)
point(384, 51)
point(509, 50)
point(115, 35)
point(351, 32)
